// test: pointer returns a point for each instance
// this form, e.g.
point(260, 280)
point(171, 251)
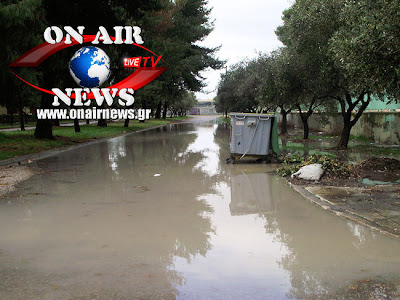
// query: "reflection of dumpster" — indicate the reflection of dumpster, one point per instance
point(253, 194)
point(253, 136)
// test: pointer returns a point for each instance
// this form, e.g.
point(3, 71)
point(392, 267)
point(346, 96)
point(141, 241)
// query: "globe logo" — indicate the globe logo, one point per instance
point(90, 67)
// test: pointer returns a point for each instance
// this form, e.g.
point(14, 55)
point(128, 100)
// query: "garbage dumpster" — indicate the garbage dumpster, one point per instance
point(253, 136)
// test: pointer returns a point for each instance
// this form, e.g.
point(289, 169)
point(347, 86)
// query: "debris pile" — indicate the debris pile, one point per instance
point(332, 168)
point(378, 168)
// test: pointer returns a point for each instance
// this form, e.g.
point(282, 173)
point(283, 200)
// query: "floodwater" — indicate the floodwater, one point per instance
point(96, 223)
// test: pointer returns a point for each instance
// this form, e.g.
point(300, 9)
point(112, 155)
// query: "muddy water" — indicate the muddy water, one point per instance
point(96, 223)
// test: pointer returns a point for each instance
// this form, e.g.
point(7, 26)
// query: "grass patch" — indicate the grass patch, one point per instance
point(360, 138)
point(12, 145)
point(295, 146)
point(225, 120)
point(17, 143)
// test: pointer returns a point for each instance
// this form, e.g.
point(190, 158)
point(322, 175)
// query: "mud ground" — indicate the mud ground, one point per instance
point(371, 195)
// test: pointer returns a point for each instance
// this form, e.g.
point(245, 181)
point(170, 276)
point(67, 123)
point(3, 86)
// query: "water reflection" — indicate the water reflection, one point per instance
point(252, 193)
point(204, 144)
point(303, 252)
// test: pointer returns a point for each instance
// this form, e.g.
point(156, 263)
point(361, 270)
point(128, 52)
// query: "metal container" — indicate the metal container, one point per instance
point(251, 135)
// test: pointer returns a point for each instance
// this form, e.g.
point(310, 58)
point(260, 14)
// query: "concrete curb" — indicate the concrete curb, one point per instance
point(23, 160)
point(344, 213)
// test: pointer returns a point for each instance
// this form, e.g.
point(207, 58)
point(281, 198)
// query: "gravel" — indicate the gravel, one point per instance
point(10, 176)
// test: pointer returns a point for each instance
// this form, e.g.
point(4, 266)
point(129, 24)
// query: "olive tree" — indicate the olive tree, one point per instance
point(308, 30)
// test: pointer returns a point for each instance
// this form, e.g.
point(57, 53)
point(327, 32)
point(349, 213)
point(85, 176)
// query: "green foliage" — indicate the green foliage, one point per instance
point(184, 104)
point(287, 170)
point(309, 28)
point(189, 23)
point(236, 90)
point(332, 166)
point(269, 82)
point(21, 25)
point(263, 83)
point(367, 45)
point(314, 69)
point(293, 158)
point(291, 164)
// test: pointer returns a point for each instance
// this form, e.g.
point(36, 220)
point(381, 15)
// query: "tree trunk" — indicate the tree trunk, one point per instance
point(348, 123)
point(306, 129)
point(158, 110)
point(44, 129)
point(77, 127)
point(126, 123)
point(345, 136)
point(284, 129)
point(102, 122)
point(304, 116)
point(304, 119)
point(21, 114)
point(21, 121)
point(144, 106)
point(87, 122)
point(56, 122)
point(164, 113)
point(11, 118)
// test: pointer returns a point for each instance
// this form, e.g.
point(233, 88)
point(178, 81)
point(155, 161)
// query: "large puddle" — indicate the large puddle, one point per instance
point(97, 223)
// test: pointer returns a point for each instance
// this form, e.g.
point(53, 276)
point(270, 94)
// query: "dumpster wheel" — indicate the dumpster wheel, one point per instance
point(232, 160)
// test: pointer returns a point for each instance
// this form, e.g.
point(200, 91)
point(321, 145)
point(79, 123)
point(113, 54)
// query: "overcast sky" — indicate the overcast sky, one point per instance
point(243, 28)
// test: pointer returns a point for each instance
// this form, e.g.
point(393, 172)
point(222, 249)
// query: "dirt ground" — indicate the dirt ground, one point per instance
point(378, 169)
point(375, 203)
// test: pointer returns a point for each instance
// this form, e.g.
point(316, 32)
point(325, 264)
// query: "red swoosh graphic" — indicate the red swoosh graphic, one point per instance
point(37, 55)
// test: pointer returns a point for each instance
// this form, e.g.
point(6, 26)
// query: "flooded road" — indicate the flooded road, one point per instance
point(159, 215)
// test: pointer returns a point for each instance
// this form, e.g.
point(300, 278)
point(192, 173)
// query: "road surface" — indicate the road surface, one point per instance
point(160, 215)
